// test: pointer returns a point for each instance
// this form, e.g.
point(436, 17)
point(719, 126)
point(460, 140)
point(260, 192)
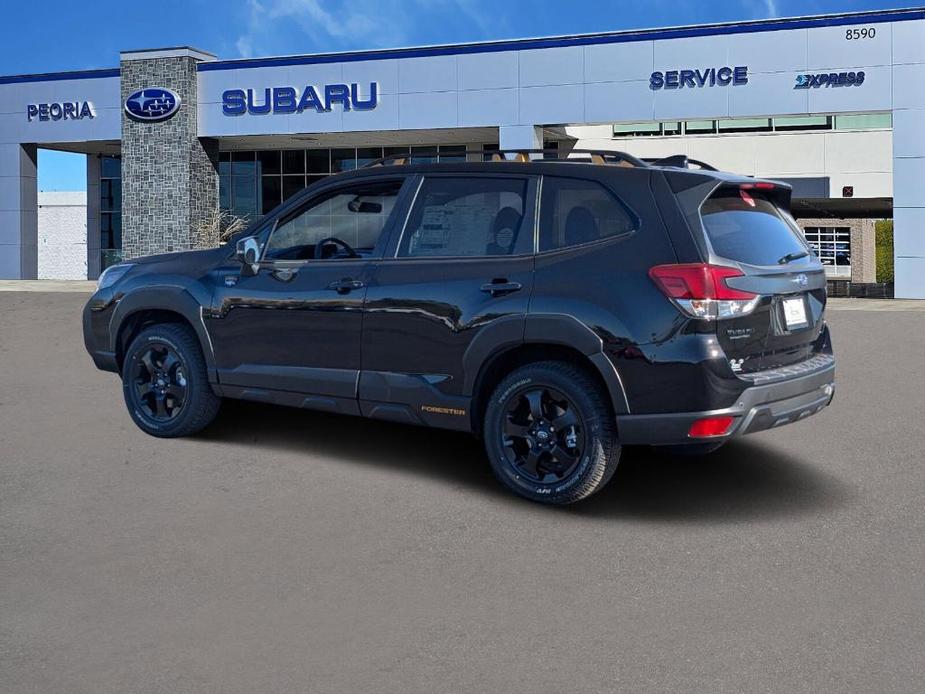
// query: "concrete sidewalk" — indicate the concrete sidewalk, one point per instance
point(86, 286)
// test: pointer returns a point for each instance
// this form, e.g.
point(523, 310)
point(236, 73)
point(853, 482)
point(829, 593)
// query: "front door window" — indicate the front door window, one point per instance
point(347, 222)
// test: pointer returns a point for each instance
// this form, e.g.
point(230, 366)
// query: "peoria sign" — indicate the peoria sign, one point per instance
point(60, 110)
point(348, 97)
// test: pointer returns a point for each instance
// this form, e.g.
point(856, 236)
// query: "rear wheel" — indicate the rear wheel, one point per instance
point(164, 382)
point(550, 434)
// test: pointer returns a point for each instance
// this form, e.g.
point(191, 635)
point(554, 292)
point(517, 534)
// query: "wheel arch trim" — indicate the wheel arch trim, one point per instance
point(167, 298)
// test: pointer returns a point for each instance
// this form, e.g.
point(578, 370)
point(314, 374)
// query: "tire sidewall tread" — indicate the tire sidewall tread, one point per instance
point(201, 404)
point(599, 460)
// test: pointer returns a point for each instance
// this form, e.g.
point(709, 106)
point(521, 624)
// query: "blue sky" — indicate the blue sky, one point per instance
point(69, 35)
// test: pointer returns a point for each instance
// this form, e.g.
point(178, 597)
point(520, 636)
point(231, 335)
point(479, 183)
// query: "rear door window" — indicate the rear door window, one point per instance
point(746, 227)
point(577, 211)
point(468, 217)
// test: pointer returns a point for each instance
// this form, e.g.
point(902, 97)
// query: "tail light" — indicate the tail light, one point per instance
point(700, 290)
point(709, 427)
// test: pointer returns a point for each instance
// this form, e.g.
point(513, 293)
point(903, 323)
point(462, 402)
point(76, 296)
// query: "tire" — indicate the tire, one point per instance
point(164, 382)
point(693, 449)
point(579, 451)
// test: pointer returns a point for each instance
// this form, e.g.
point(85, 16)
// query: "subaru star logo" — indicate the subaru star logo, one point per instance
point(801, 280)
point(152, 104)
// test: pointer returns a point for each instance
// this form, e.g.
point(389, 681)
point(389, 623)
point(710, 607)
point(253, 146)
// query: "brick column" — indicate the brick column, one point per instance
point(169, 174)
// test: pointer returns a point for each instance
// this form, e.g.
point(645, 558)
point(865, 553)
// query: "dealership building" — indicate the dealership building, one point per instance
point(833, 105)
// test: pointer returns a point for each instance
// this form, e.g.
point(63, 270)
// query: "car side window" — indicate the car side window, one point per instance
point(576, 211)
point(471, 216)
point(355, 215)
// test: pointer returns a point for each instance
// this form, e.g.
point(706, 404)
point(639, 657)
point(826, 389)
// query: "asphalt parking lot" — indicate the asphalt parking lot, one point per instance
point(288, 551)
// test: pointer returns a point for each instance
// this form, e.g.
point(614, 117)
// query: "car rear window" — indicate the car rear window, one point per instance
point(748, 228)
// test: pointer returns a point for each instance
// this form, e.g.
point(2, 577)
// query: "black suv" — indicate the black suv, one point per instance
point(559, 309)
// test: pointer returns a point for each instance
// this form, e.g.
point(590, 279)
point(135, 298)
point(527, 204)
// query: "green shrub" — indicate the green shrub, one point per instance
point(884, 235)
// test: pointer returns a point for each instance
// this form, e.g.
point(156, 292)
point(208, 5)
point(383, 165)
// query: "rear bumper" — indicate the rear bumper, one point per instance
point(759, 407)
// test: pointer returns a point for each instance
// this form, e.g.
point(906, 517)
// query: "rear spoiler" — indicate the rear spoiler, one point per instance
point(691, 188)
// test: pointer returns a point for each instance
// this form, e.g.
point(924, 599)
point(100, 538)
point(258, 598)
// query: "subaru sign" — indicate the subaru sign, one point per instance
point(237, 102)
point(707, 77)
point(152, 104)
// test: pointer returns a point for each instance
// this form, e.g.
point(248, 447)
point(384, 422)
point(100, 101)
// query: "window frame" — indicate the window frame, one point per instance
point(634, 217)
point(297, 206)
point(528, 225)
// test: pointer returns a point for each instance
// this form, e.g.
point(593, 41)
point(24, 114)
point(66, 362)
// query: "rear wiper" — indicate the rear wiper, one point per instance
point(792, 256)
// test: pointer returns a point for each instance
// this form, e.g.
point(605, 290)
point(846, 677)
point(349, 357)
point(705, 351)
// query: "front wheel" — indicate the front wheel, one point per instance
point(164, 382)
point(550, 434)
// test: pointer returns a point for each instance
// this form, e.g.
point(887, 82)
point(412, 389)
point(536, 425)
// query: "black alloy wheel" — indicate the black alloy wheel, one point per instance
point(543, 434)
point(165, 382)
point(550, 433)
point(160, 382)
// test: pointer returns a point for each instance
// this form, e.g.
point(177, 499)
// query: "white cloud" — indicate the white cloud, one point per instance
point(770, 7)
point(325, 25)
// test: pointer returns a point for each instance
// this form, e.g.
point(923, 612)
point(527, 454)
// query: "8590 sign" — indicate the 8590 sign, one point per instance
point(862, 33)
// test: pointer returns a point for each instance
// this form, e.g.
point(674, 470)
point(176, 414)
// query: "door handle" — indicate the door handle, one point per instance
point(346, 285)
point(498, 287)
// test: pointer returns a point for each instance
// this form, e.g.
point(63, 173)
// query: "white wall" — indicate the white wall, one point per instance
point(62, 238)
point(859, 158)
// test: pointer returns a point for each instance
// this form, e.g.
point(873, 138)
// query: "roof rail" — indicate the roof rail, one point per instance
point(594, 156)
point(681, 161)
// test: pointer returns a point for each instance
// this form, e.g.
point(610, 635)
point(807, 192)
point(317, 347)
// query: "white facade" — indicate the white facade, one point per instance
point(62, 236)
point(517, 88)
point(861, 159)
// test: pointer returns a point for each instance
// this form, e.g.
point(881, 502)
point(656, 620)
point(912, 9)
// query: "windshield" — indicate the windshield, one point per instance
point(745, 227)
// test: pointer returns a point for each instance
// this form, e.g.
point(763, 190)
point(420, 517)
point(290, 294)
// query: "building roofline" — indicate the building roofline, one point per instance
point(622, 36)
point(56, 76)
point(167, 52)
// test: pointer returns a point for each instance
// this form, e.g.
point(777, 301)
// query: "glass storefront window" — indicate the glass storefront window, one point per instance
point(744, 125)
point(253, 183)
point(698, 127)
point(636, 129)
point(784, 124)
point(271, 192)
point(243, 164)
point(110, 211)
point(319, 161)
point(864, 121)
point(424, 154)
point(268, 162)
point(343, 160)
point(292, 185)
point(294, 161)
point(452, 153)
point(245, 200)
point(367, 155)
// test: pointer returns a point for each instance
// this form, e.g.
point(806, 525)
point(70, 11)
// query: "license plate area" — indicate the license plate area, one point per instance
point(794, 313)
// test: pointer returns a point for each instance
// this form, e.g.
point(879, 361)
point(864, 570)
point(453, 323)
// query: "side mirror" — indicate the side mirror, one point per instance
point(364, 206)
point(247, 251)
